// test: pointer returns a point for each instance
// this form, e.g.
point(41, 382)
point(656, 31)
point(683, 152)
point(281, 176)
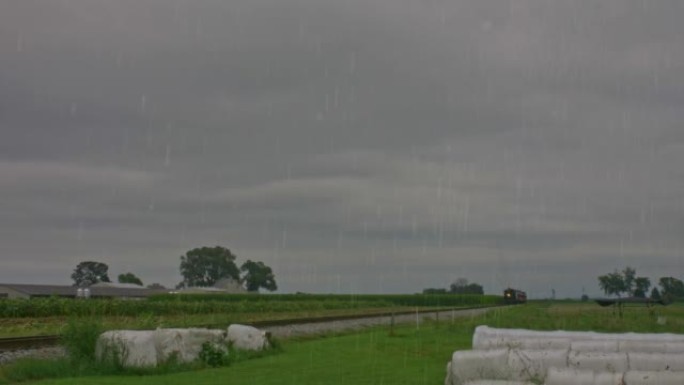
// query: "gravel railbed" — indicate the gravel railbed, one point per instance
point(49, 352)
point(287, 331)
point(315, 328)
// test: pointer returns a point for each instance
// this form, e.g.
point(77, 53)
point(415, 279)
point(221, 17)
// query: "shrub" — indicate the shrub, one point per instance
point(79, 337)
point(214, 355)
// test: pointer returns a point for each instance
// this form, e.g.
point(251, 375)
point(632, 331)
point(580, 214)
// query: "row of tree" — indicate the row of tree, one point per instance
point(199, 267)
point(626, 282)
point(88, 273)
point(460, 286)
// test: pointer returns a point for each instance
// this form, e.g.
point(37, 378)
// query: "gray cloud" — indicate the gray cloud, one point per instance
point(355, 146)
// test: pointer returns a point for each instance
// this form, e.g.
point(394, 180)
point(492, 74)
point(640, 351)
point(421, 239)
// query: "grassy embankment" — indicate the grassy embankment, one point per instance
point(409, 355)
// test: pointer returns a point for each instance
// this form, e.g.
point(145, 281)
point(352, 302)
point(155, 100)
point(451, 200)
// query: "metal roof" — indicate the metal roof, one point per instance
point(70, 291)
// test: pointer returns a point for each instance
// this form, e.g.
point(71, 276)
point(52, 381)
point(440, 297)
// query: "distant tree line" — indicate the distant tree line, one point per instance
point(460, 286)
point(204, 266)
point(88, 273)
point(626, 282)
point(199, 267)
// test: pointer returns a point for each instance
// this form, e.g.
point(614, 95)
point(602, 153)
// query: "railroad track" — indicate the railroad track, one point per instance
point(298, 321)
point(17, 343)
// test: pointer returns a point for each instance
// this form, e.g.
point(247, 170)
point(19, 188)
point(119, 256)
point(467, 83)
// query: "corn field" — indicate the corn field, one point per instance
point(174, 304)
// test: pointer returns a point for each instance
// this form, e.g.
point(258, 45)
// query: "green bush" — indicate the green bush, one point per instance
point(79, 337)
point(214, 355)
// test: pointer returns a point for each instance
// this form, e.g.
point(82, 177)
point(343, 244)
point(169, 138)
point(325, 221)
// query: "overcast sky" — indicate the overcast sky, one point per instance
point(363, 146)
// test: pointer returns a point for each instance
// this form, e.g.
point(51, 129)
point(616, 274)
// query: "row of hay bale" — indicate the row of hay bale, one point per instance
point(516, 356)
point(486, 338)
point(564, 376)
point(144, 348)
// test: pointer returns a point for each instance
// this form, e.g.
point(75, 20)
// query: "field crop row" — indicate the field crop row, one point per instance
point(386, 299)
point(103, 307)
point(171, 305)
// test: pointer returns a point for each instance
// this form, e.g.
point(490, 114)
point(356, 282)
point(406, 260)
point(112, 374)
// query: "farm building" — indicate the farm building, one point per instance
point(222, 286)
point(14, 290)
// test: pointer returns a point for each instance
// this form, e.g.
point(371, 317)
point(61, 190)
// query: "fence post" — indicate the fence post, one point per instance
point(417, 321)
point(391, 332)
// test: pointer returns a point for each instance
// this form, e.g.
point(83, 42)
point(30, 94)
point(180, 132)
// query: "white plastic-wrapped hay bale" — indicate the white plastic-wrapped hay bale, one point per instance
point(133, 348)
point(656, 362)
point(587, 346)
point(168, 343)
point(493, 338)
point(472, 365)
point(587, 358)
point(533, 343)
point(598, 361)
point(653, 378)
point(526, 365)
point(490, 338)
point(497, 382)
point(650, 346)
point(247, 337)
point(185, 344)
point(563, 376)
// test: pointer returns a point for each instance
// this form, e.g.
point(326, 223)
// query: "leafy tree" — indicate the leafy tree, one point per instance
point(625, 281)
point(258, 275)
point(434, 291)
point(629, 276)
point(130, 278)
point(641, 286)
point(461, 286)
point(655, 294)
point(89, 272)
point(475, 288)
point(458, 284)
point(204, 266)
point(612, 283)
point(156, 286)
point(672, 288)
point(585, 298)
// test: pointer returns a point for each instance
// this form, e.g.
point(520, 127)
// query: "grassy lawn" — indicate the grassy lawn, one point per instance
point(410, 355)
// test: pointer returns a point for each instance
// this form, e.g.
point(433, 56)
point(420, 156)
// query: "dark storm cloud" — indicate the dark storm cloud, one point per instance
point(354, 146)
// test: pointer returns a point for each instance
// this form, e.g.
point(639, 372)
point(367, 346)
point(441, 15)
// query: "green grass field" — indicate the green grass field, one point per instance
point(410, 355)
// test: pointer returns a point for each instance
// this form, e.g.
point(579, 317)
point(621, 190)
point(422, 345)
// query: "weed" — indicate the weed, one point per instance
point(79, 337)
point(214, 355)
point(29, 369)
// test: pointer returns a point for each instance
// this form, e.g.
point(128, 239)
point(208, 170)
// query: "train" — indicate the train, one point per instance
point(514, 296)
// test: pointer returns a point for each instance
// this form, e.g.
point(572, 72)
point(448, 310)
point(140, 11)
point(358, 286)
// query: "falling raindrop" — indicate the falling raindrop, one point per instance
point(352, 62)
point(466, 214)
point(336, 97)
point(79, 234)
point(20, 43)
point(167, 156)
